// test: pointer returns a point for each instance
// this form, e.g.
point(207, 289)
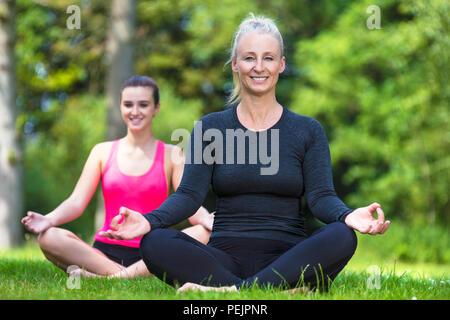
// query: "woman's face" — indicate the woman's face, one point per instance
point(258, 63)
point(138, 107)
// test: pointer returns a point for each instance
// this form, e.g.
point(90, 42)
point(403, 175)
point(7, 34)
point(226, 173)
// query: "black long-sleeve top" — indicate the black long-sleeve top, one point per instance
point(258, 195)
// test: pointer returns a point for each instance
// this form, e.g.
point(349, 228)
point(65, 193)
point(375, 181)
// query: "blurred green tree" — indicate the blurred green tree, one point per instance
point(383, 96)
point(60, 79)
point(11, 158)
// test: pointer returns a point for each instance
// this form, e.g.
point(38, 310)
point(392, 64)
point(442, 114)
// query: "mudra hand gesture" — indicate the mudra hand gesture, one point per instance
point(362, 220)
point(133, 225)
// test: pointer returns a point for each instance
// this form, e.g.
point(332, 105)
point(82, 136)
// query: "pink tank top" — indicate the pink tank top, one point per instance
point(142, 193)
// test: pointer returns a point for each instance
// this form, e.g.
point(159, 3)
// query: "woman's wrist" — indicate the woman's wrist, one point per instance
point(50, 220)
point(148, 226)
point(345, 217)
point(151, 222)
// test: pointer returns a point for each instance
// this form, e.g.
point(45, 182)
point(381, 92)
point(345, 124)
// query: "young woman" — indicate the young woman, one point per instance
point(136, 171)
point(258, 235)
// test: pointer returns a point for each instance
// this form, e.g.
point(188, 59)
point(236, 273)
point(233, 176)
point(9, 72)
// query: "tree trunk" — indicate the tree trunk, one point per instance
point(11, 172)
point(120, 60)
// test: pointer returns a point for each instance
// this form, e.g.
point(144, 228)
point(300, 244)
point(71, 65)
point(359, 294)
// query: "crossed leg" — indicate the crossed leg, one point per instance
point(64, 249)
point(313, 261)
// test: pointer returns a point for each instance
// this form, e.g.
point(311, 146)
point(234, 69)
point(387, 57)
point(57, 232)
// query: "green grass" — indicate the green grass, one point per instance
point(25, 274)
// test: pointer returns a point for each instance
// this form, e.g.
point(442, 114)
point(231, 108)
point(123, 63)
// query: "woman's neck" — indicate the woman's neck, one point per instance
point(141, 139)
point(259, 113)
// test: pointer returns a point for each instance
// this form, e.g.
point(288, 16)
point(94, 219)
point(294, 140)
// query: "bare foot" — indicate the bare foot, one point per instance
point(83, 273)
point(86, 274)
point(193, 286)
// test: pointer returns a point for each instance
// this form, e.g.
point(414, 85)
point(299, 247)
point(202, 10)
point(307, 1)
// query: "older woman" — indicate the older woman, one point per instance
point(258, 234)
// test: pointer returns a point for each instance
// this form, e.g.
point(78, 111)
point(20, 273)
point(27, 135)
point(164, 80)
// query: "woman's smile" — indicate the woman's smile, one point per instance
point(258, 63)
point(259, 79)
point(138, 107)
point(136, 121)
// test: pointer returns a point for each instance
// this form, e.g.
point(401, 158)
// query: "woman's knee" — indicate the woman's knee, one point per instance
point(347, 237)
point(153, 242)
point(51, 240)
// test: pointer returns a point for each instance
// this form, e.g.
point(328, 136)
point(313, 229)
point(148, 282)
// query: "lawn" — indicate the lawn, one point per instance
point(25, 274)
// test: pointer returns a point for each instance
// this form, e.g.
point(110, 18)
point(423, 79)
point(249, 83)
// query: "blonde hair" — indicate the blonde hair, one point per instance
point(258, 24)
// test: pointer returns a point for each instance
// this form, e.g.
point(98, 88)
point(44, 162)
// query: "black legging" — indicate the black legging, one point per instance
point(177, 258)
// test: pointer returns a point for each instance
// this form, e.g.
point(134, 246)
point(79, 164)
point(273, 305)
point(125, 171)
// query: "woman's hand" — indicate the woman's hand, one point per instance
point(134, 225)
point(362, 220)
point(208, 221)
point(36, 222)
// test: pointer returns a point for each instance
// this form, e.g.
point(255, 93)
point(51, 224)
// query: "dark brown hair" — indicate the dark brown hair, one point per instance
point(142, 81)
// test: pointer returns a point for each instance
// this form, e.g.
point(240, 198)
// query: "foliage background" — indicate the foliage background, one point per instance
point(382, 95)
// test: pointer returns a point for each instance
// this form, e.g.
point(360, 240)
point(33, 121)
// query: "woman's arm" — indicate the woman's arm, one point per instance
point(318, 179)
point(71, 208)
point(202, 216)
point(321, 196)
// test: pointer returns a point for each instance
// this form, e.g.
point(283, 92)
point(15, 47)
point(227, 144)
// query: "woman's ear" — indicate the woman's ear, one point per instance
point(283, 64)
point(234, 66)
point(157, 107)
